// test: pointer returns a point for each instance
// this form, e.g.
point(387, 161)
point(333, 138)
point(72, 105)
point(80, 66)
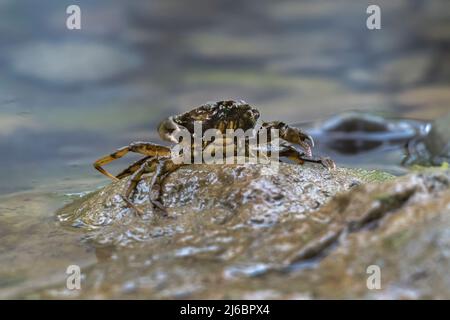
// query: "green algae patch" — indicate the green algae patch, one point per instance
point(420, 168)
point(369, 176)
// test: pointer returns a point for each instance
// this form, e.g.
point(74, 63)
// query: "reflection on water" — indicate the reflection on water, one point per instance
point(67, 97)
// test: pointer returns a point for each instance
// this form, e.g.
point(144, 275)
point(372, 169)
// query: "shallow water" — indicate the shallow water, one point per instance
point(68, 97)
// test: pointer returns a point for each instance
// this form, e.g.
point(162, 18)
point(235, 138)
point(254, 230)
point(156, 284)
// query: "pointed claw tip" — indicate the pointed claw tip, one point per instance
point(306, 148)
point(308, 151)
point(310, 139)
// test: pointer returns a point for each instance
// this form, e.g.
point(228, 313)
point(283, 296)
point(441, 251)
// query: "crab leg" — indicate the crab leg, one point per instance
point(145, 148)
point(133, 168)
point(161, 168)
point(300, 158)
point(147, 167)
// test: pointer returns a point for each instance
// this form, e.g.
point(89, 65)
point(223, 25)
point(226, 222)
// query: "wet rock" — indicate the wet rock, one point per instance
point(261, 244)
point(205, 196)
point(228, 223)
point(434, 148)
point(237, 233)
point(400, 226)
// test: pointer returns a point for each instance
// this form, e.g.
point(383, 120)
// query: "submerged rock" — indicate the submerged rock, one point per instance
point(236, 232)
point(357, 132)
point(367, 140)
point(434, 148)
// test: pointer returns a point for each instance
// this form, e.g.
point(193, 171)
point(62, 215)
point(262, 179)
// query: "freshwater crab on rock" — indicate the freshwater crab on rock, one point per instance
point(220, 116)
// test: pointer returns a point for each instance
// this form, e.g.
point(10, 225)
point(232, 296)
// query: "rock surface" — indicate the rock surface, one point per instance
point(236, 233)
point(204, 196)
point(433, 149)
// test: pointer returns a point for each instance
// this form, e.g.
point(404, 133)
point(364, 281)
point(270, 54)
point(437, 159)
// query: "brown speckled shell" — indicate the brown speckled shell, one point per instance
point(220, 115)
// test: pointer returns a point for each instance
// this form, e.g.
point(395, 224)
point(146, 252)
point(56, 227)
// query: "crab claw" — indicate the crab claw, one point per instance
point(305, 146)
point(292, 135)
point(309, 139)
point(306, 142)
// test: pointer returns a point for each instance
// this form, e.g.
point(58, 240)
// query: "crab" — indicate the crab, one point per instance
point(221, 115)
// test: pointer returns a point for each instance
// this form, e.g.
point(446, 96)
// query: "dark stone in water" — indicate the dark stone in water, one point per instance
point(357, 132)
point(434, 148)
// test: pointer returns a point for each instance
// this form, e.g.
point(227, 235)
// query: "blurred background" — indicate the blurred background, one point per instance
point(70, 96)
